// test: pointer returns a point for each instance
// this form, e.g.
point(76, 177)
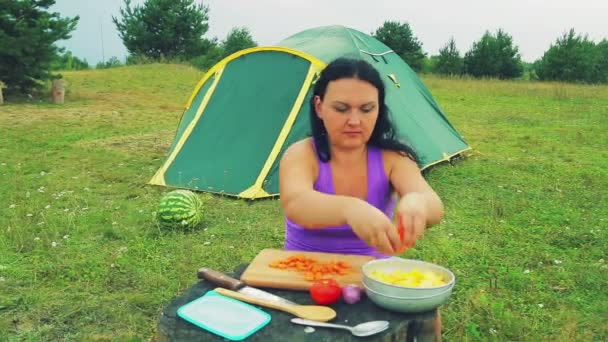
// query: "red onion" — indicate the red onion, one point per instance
point(351, 293)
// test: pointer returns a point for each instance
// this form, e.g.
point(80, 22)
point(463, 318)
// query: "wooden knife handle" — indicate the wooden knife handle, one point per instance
point(220, 279)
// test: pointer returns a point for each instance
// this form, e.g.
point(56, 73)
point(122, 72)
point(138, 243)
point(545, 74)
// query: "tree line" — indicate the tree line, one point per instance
point(163, 30)
point(571, 57)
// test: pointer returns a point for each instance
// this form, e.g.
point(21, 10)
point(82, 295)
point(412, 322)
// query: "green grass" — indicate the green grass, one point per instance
point(81, 257)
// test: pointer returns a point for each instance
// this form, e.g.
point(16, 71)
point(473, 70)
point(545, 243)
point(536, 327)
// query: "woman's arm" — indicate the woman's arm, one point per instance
point(300, 202)
point(407, 179)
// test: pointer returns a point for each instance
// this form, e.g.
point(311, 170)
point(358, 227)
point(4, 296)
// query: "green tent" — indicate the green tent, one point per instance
point(249, 107)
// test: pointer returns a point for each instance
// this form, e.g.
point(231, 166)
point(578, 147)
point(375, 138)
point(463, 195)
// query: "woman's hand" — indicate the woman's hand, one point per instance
point(372, 226)
point(411, 215)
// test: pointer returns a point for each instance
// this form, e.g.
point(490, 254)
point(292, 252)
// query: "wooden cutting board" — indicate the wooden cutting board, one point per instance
point(260, 274)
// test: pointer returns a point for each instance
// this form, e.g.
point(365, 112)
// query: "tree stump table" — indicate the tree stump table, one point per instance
point(403, 327)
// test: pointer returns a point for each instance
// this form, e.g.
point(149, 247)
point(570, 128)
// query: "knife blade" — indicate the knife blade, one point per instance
point(225, 281)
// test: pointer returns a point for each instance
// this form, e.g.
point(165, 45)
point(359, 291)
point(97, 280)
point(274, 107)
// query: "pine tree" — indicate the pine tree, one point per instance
point(449, 61)
point(494, 56)
point(164, 28)
point(238, 38)
point(400, 38)
point(28, 33)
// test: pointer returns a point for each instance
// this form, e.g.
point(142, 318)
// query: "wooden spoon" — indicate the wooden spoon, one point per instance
point(311, 312)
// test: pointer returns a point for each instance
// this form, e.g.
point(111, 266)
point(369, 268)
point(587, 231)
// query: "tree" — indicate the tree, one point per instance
point(449, 61)
point(67, 61)
point(400, 38)
point(238, 38)
point(572, 58)
point(164, 28)
point(602, 65)
point(28, 33)
point(213, 54)
point(494, 56)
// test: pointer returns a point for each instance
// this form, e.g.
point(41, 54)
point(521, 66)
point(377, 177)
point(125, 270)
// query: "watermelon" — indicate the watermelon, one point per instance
point(180, 209)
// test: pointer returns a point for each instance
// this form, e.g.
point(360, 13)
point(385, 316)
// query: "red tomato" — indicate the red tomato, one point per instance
point(325, 291)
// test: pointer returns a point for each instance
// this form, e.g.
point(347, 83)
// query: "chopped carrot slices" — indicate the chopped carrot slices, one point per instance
point(311, 268)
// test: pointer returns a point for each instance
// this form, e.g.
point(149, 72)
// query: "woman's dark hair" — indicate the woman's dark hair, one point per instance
point(384, 134)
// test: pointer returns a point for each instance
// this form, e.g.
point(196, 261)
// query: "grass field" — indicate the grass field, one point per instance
point(81, 258)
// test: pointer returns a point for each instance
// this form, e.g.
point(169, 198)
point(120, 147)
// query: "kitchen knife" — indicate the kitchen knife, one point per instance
point(223, 280)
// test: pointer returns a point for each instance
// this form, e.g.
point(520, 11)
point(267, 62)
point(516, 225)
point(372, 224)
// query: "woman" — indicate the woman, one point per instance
point(337, 187)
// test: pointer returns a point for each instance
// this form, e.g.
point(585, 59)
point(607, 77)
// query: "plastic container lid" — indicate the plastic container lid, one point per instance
point(224, 316)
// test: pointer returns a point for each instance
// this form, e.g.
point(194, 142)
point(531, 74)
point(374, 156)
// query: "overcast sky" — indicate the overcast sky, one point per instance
point(533, 24)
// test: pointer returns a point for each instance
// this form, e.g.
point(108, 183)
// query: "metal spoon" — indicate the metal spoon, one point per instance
point(363, 329)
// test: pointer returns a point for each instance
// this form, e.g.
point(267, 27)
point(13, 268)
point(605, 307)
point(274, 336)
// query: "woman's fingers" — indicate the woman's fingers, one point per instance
point(419, 226)
point(408, 226)
point(394, 238)
point(384, 244)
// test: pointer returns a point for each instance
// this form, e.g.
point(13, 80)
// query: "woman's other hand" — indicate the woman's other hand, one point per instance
point(412, 218)
point(372, 226)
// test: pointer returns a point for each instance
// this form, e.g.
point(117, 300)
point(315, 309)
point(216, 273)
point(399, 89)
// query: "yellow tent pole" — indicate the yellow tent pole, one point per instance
point(256, 190)
point(159, 177)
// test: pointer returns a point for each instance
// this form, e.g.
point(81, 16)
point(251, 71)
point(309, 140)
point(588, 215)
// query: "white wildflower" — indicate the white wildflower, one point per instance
point(2, 267)
point(87, 189)
point(36, 239)
point(207, 243)
point(12, 206)
point(74, 177)
point(85, 209)
point(66, 210)
point(29, 215)
point(2, 279)
point(601, 261)
point(42, 173)
point(112, 265)
point(65, 237)
point(519, 191)
point(114, 223)
point(557, 262)
point(493, 331)
point(141, 210)
point(541, 305)
point(54, 244)
point(3, 164)
point(450, 234)
point(40, 223)
point(41, 189)
point(526, 271)
point(48, 206)
point(230, 247)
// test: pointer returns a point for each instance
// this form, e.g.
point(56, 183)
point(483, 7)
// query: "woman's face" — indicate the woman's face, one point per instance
point(349, 112)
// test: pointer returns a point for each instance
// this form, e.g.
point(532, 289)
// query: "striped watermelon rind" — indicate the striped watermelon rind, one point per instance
point(180, 209)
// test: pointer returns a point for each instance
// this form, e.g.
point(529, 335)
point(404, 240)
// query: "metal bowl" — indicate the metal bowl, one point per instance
point(403, 298)
point(408, 305)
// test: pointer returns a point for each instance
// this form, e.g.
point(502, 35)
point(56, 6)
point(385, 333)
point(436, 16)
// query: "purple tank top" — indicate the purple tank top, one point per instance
point(342, 239)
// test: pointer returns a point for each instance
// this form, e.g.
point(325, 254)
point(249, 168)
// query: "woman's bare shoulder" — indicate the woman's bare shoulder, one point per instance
point(392, 158)
point(300, 149)
point(298, 166)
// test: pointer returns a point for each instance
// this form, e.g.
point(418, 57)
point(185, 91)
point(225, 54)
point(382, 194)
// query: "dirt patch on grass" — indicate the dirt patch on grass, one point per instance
point(157, 142)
